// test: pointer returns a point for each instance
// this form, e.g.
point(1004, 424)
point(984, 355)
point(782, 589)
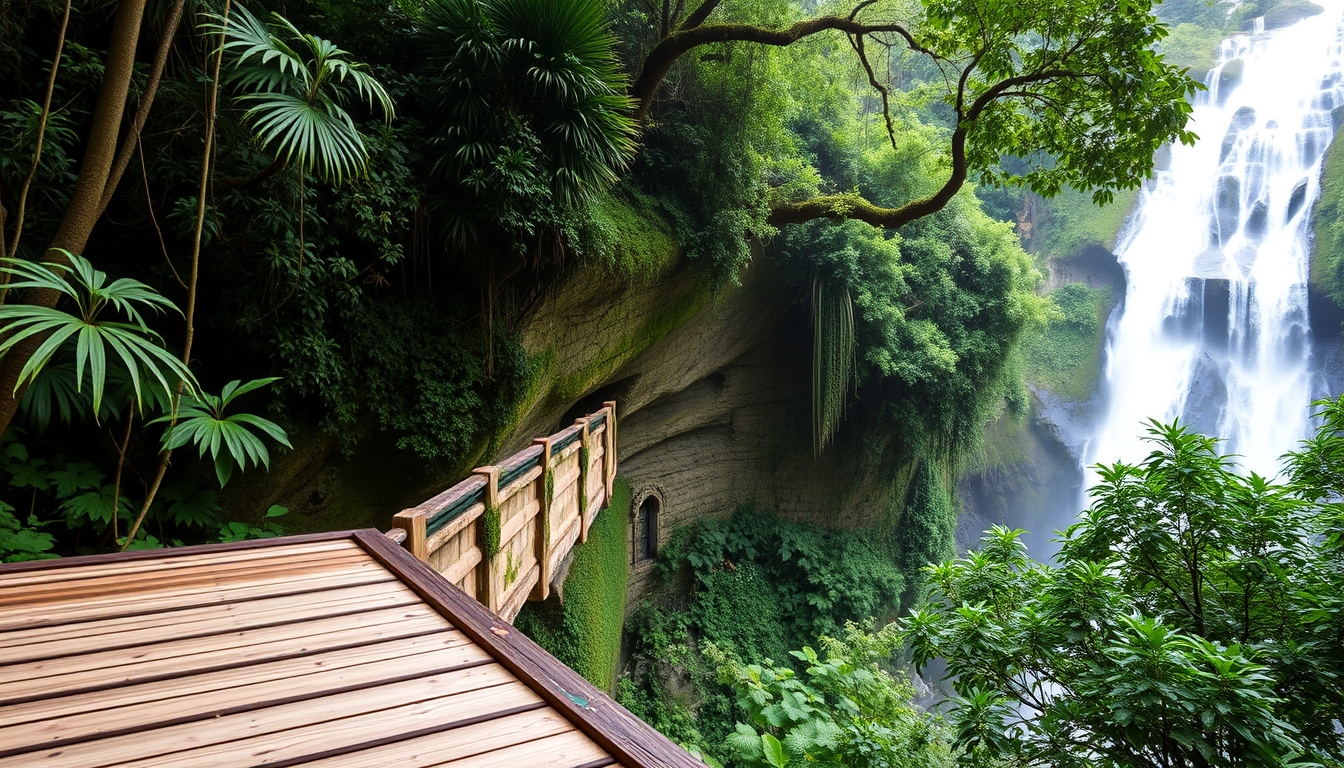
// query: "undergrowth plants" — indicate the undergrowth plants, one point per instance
point(759, 587)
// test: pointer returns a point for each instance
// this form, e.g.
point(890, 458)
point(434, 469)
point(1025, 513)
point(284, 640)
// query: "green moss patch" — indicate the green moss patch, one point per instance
point(1076, 222)
point(1192, 46)
point(1327, 255)
point(676, 311)
point(584, 630)
point(1065, 356)
point(626, 233)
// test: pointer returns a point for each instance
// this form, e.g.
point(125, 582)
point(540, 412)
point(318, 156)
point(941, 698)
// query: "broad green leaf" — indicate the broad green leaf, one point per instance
point(774, 751)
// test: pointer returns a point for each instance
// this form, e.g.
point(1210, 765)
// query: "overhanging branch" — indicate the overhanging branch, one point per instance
point(689, 36)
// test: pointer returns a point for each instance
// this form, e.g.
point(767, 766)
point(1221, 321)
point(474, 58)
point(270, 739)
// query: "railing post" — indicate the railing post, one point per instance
point(585, 454)
point(417, 542)
point(543, 538)
point(610, 463)
point(485, 572)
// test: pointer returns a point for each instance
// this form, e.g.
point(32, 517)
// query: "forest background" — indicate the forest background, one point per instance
point(342, 214)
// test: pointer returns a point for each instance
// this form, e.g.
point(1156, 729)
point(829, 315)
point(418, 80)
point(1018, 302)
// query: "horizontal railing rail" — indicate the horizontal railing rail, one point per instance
point(501, 533)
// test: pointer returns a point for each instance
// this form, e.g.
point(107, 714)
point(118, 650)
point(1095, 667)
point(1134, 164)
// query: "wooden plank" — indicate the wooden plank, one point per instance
point(455, 526)
point(517, 594)
point(137, 631)
point(520, 485)
point(405, 651)
point(114, 604)
point(432, 505)
point(184, 616)
point(627, 738)
point(519, 520)
point(165, 564)
point(147, 715)
point(565, 750)
point(206, 577)
point(565, 541)
point(35, 566)
point(169, 649)
point(274, 734)
point(434, 748)
point(42, 679)
point(465, 564)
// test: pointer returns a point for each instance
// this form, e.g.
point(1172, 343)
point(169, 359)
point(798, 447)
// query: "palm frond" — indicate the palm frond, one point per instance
point(202, 421)
point(295, 84)
point(88, 335)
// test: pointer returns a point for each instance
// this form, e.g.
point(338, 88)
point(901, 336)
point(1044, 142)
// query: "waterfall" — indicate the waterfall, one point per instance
point(1214, 327)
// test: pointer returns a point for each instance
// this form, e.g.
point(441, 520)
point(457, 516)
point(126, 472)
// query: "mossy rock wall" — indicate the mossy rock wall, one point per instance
point(581, 624)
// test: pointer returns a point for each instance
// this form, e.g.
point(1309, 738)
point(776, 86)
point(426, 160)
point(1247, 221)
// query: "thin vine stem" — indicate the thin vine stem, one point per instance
point(41, 135)
point(207, 157)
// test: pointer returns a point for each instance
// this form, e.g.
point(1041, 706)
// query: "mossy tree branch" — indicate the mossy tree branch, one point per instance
point(1075, 82)
point(694, 33)
point(854, 206)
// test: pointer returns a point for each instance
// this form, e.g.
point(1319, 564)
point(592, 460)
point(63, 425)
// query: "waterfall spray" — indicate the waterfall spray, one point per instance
point(1214, 327)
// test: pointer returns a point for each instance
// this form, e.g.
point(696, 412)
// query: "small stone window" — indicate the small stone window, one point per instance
point(646, 529)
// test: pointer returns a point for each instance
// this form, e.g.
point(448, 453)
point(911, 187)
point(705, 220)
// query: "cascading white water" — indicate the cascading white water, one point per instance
point(1214, 325)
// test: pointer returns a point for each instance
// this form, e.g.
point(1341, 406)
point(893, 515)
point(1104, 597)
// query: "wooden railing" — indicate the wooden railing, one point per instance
point(501, 533)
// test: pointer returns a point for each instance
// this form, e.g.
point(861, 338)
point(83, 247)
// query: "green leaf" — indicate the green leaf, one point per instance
point(88, 336)
point(76, 477)
point(202, 422)
point(294, 83)
point(774, 751)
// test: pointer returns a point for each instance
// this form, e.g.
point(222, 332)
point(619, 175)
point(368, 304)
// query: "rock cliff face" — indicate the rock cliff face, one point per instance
point(1027, 473)
point(715, 413)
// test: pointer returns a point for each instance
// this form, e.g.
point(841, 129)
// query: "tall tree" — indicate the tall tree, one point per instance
point(1193, 618)
point(93, 183)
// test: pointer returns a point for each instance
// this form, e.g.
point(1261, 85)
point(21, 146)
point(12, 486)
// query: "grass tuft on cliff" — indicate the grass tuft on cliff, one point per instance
point(584, 630)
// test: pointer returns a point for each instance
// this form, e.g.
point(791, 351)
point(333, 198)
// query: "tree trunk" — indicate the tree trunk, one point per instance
point(85, 203)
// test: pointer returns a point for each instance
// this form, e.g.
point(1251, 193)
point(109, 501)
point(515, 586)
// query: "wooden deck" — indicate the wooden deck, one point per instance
point(325, 650)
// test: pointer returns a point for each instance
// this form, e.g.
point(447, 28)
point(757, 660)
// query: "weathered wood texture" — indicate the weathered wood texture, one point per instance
point(330, 650)
point(533, 521)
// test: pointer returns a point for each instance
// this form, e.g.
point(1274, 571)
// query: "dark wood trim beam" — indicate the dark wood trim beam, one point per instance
point(630, 740)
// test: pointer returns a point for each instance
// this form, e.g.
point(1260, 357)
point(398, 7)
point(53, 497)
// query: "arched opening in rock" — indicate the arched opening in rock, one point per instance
point(646, 529)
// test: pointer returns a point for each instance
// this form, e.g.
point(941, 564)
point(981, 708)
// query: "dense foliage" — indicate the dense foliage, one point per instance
point(847, 707)
point(1193, 617)
point(759, 587)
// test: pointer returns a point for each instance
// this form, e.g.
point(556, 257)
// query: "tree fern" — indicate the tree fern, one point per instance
point(832, 359)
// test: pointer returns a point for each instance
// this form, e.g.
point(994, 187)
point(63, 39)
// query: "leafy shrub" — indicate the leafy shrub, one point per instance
point(760, 585)
point(21, 540)
point(846, 708)
point(815, 579)
point(1193, 616)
